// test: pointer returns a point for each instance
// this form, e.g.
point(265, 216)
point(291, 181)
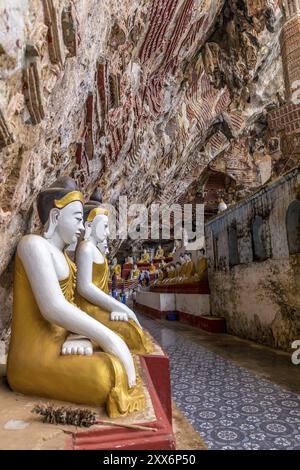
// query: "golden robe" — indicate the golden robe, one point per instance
point(36, 367)
point(130, 332)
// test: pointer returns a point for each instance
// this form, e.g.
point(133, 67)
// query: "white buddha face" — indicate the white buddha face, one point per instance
point(67, 222)
point(100, 228)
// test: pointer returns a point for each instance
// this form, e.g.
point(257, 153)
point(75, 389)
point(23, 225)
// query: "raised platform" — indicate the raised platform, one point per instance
point(206, 323)
point(201, 287)
point(155, 372)
point(188, 307)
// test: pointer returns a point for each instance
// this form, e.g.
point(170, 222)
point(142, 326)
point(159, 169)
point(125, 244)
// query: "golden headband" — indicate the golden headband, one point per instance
point(96, 211)
point(68, 198)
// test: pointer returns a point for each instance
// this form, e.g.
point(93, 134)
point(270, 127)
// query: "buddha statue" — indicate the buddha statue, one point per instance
point(179, 271)
point(188, 269)
point(51, 352)
point(166, 276)
point(145, 257)
point(172, 272)
point(160, 277)
point(173, 252)
point(159, 253)
point(92, 284)
point(135, 273)
point(116, 268)
point(201, 266)
point(152, 268)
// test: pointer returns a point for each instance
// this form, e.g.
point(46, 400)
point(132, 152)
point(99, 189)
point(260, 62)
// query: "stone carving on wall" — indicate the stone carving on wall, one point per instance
point(158, 103)
point(70, 29)
point(52, 17)
point(32, 85)
point(6, 136)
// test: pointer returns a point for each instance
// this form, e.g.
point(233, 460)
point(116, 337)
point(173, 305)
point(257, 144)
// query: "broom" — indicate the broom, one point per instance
point(81, 417)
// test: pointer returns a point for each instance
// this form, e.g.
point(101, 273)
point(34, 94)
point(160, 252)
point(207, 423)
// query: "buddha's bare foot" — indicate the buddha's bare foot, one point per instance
point(118, 316)
point(77, 345)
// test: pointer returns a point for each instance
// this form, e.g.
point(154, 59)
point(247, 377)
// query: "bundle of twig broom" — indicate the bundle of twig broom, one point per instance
point(81, 417)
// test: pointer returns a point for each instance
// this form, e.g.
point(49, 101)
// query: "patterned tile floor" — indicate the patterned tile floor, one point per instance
point(231, 407)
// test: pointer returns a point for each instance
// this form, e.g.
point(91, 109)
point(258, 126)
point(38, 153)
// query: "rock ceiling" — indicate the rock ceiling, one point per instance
point(138, 96)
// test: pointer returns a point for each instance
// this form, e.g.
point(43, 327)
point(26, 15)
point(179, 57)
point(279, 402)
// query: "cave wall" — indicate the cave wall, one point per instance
point(137, 96)
point(254, 273)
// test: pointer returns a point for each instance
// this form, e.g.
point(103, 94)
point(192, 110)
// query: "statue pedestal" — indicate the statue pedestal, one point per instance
point(189, 302)
point(155, 372)
point(143, 266)
point(201, 287)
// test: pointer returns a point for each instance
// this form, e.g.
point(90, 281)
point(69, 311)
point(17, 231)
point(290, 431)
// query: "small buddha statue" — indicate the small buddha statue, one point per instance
point(135, 272)
point(152, 268)
point(92, 284)
point(173, 252)
point(201, 266)
point(160, 277)
point(166, 276)
point(116, 268)
point(171, 273)
point(188, 270)
point(179, 271)
point(145, 257)
point(51, 352)
point(159, 253)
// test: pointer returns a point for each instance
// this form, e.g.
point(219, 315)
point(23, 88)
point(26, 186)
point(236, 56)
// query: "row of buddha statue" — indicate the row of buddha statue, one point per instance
point(185, 271)
point(146, 257)
point(71, 340)
point(145, 262)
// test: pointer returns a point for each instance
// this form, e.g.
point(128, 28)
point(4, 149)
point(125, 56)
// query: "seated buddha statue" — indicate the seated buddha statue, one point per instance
point(159, 253)
point(51, 352)
point(152, 268)
point(166, 276)
point(135, 273)
point(160, 277)
point(145, 257)
point(180, 271)
point(92, 284)
point(201, 267)
point(173, 252)
point(116, 268)
point(188, 269)
point(172, 272)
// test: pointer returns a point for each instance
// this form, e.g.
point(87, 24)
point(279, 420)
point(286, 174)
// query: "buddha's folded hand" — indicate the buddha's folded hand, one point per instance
point(118, 316)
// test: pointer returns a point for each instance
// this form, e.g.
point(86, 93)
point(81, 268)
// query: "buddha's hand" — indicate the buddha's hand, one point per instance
point(132, 316)
point(77, 345)
point(118, 316)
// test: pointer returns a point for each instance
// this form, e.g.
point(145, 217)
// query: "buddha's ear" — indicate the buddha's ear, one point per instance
point(52, 222)
point(88, 230)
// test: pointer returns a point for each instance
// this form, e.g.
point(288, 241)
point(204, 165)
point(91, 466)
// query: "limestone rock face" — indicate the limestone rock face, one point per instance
point(138, 96)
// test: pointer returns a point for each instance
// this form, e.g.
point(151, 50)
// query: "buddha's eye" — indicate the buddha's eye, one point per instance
point(79, 219)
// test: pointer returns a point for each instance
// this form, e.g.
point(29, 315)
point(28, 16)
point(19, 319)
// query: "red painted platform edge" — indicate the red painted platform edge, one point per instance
point(159, 370)
point(151, 312)
point(201, 287)
point(112, 438)
point(210, 324)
